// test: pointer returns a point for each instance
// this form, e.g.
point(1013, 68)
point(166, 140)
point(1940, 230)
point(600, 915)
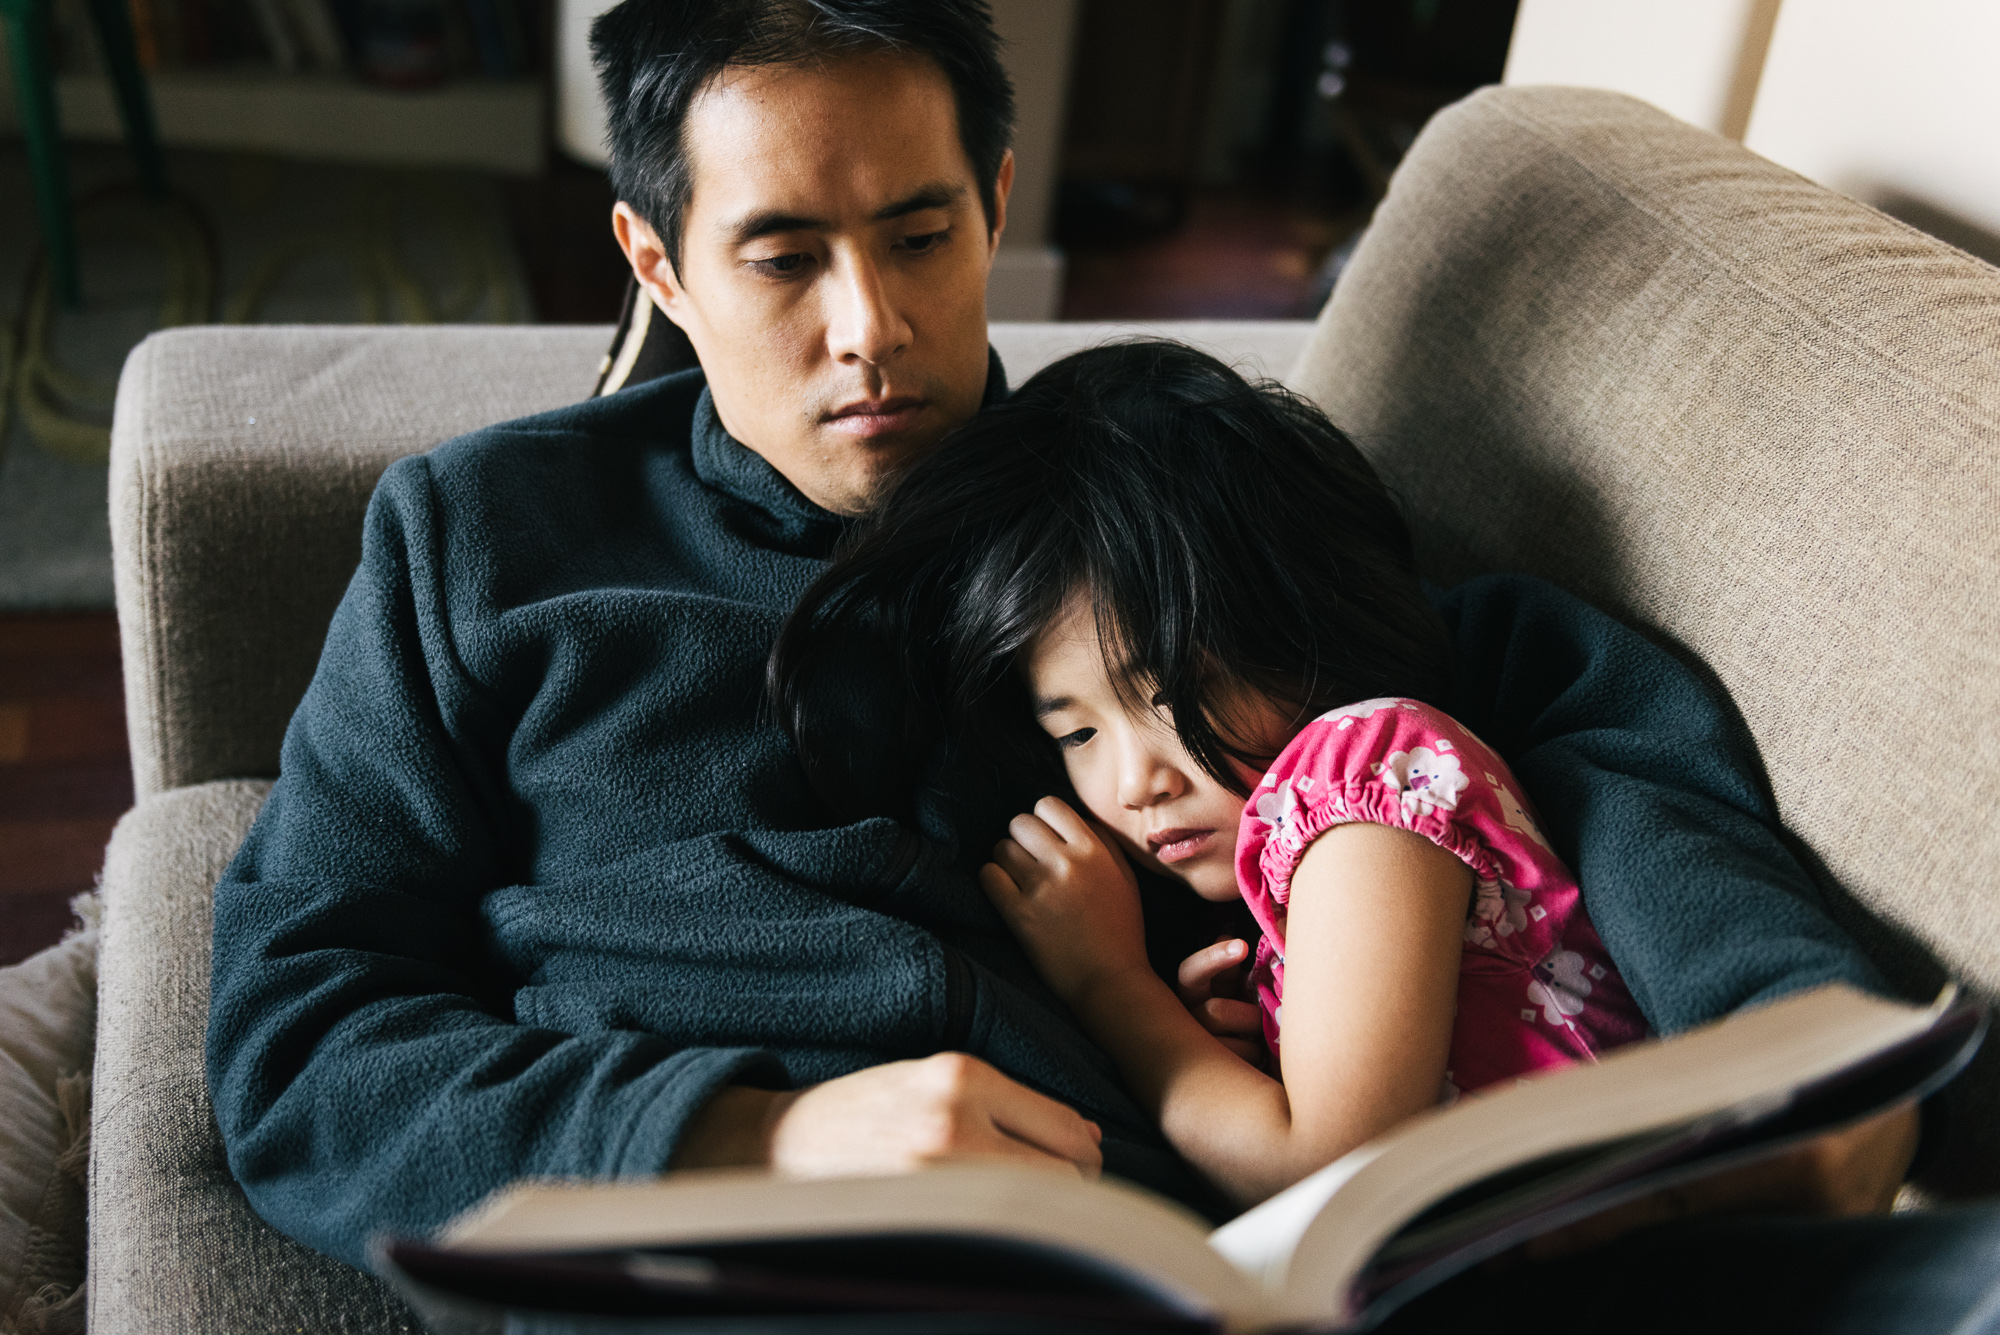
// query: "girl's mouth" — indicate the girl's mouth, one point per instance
point(1172, 846)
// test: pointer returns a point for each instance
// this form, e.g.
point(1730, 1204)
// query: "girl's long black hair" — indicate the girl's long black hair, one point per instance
point(1227, 535)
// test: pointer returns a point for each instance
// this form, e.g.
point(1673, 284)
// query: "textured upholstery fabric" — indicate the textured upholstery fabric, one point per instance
point(173, 1243)
point(1588, 342)
point(241, 462)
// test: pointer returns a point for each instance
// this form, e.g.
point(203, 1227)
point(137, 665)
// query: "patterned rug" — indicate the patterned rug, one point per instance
point(245, 239)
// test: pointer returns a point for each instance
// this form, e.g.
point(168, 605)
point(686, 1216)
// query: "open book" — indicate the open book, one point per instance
point(1020, 1246)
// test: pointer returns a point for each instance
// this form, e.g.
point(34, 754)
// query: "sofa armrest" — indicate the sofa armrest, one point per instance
point(174, 1245)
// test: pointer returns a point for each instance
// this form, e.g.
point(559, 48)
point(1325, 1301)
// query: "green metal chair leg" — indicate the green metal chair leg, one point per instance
point(135, 104)
point(34, 90)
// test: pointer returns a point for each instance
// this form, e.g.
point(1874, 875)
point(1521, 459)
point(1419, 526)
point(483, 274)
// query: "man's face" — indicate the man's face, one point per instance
point(833, 266)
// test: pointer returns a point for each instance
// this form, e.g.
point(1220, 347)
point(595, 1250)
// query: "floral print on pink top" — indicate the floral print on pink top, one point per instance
point(1536, 988)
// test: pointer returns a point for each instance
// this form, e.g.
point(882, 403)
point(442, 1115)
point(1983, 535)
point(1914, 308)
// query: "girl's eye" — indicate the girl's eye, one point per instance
point(925, 242)
point(780, 266)
point(1070, 741)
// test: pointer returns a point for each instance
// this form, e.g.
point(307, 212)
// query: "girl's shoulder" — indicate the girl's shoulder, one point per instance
point(1390, 761)
point(1398, 738)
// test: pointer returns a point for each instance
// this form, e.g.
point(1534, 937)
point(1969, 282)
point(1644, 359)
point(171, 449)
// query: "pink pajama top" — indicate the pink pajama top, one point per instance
point(1536, 988)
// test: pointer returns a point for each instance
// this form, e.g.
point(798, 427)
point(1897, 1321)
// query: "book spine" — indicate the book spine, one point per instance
point(145, 34)
point(352, 23)
point(489, 34)
point(277, 35)
point(171, 32)
point(197, 32)
point(319, 34)
point(76, 41)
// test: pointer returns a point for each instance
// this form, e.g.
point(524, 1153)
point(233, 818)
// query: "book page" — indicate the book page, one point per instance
point(1743, 1067)
point(1259, 1242)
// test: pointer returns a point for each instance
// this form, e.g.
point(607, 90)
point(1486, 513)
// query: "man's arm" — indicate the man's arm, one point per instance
point(363, 1061)
point(1651, 791)
point(890, 1119)
point(362, 1072)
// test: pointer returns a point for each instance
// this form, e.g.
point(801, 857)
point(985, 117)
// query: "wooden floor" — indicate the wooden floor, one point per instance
point(65, 776)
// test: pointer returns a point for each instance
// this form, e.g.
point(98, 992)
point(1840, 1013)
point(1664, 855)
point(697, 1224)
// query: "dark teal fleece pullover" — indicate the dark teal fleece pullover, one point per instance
point(540, 876)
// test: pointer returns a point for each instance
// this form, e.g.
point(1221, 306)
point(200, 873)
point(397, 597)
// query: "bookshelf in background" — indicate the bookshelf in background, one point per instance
point(406, 82)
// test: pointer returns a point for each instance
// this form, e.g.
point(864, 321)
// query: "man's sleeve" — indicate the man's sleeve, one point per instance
point(364, 1071)
point(1650, 787)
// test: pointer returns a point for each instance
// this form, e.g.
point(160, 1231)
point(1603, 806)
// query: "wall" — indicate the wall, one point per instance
point(1896, 104)
point(1698, 59)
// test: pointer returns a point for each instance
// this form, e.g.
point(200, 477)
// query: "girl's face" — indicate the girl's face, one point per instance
point(1128, 764)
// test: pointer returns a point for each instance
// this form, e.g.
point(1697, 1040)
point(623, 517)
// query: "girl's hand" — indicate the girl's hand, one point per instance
point(1069, 896)
point(1210, 983)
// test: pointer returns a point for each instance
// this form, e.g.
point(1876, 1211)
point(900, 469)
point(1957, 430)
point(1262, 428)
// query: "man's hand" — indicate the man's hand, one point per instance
point(1210, 983)
point(893, 1118)
point(1849, 1172)
point(1069, 896)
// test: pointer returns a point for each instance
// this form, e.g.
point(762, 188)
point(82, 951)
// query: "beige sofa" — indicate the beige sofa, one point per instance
point(1586, 342)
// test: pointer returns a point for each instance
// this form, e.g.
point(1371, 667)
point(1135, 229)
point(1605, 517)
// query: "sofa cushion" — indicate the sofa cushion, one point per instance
point(173, 1242)
point(1587, 341)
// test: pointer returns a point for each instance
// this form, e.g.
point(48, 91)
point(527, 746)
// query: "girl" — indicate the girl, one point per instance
point(1207, 600)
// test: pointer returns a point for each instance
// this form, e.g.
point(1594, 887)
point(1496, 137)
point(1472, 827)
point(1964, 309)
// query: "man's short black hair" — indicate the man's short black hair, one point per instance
point(654, 56)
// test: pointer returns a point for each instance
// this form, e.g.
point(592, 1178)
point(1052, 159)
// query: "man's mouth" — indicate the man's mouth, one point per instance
point(1172, 846)
point(876, 417)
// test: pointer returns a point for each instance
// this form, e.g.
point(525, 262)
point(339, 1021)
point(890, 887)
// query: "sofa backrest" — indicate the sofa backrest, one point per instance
point(243, 458)
point(1590, 342)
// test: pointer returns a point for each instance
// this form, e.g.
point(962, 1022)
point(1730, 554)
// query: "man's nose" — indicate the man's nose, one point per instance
point(865, 323)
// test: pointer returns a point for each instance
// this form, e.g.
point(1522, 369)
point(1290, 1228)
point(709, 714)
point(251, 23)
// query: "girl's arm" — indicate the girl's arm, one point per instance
point(1371, 977)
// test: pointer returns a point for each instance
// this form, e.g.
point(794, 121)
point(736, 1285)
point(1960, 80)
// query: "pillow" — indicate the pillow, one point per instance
point(48, 1036)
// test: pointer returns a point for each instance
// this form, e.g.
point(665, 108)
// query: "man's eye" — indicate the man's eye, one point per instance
point(780, 265)
point(927, 241)
point(1071, 740)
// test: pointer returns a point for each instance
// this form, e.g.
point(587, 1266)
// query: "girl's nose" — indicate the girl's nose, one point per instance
point(1148, 777)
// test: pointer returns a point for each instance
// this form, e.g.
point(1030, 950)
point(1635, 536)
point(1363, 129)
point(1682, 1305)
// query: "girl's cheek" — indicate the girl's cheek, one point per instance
point(1098, 798)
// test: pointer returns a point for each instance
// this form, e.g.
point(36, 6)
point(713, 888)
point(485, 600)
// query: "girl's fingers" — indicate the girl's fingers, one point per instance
point(1198, 971)
point(1250, 1050)
point(1231, 1019)
point(1015, 861)
point(1069, 826)
point(998, 885)
point(1034, 835)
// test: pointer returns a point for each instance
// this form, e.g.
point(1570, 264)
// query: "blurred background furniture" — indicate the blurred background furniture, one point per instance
point(1584, 340)
point(33, 64)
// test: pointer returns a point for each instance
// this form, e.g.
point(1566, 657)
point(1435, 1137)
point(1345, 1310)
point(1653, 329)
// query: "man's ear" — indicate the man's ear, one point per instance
point(1003, 182)
point(651, 265)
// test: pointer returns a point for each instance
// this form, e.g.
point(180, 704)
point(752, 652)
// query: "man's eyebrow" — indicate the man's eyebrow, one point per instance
point(933, 196)
point(1054, 704)
point(769, 222)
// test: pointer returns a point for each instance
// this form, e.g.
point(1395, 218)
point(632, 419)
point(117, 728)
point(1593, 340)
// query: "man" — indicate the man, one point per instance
point(543, 892)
